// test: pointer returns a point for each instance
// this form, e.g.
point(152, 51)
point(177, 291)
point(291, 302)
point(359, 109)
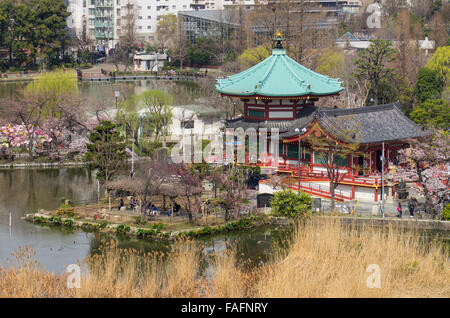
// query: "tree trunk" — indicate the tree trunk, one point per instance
point(142, 212)
point(332, 188)
point(30, 147)
point(429, 208)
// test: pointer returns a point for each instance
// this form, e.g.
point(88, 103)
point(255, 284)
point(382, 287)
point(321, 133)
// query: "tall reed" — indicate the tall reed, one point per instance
point(324, 259)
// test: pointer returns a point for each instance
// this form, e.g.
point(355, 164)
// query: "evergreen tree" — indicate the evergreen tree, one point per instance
point(372, 65)
point(428, 85)
point(106, 150)
point(432, 112)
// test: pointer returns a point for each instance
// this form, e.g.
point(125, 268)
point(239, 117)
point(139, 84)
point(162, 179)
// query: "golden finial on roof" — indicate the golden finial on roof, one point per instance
point(278, 39)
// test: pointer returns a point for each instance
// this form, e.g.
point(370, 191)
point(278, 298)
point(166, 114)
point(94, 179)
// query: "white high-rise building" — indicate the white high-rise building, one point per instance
point(149, 12)
point(103, 17)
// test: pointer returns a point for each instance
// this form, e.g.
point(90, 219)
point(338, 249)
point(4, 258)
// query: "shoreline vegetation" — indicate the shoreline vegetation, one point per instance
point(155, 230)
point(324, 258)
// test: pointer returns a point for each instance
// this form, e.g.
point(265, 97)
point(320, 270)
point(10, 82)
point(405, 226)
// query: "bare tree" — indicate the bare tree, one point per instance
point(181, 44)
point(439, 31)
point(127, 46)
point(144, 187)
point(331, 150)
point(83, 43)
point(297, 20)
point(166, 32)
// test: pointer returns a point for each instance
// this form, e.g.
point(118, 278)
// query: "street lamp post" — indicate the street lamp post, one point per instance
point(132, 156)
point(116, 95)
point(382, 182)
point(300, 132)
point(140, 134)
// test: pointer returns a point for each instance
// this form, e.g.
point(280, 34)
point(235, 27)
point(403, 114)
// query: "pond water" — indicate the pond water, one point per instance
point(183, 92)
point(27, 190)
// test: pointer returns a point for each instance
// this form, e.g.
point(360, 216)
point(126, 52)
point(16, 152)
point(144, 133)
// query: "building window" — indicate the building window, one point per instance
point(149, 17)
point(307, 155)
point(149, 27)
point(340, 160)
point(320, 158)
point(281, 148)
point(292, 151)
point(256, 113)
point(149, 7)
point(139, 17)
point(187, 124)
point(139, 27)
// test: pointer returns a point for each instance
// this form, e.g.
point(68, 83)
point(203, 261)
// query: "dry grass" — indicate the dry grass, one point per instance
point(325, 259)
point(329, 260)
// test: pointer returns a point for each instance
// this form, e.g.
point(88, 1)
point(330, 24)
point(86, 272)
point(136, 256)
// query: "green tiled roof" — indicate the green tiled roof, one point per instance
point(277, 76)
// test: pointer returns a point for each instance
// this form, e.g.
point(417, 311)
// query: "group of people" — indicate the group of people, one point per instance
point(150, 208)
point(134, 203)
point(412, 205)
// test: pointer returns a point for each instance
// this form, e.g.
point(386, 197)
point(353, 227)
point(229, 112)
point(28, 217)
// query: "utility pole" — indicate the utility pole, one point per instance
point(116, 95)
point(382, 182)
point(300, 132)
point(132, 155)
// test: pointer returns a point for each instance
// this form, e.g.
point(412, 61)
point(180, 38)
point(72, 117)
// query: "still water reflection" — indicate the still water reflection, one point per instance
point(27, 190)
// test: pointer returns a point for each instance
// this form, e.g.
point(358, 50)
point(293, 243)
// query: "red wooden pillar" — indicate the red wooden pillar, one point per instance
point(373, 155)
point(376, 194)
point(350, 165)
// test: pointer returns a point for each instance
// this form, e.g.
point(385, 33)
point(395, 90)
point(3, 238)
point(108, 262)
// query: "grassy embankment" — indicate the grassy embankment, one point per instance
point(325, 259)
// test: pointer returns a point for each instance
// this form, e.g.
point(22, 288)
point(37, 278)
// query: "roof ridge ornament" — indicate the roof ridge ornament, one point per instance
point(279, 39)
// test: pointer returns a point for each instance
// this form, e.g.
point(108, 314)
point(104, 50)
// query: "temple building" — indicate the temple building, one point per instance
point(281, 93)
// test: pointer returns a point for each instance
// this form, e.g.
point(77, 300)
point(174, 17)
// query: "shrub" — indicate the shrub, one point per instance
point(40, 219)
point(102, 225)
point(122, 229)
point(143, 233)
point(290, 204)
point(446, 212)
point(65, 210)
point(138, 220)
point(55, 220)
point(87, 227)
point(158, 227)
point(68, 223)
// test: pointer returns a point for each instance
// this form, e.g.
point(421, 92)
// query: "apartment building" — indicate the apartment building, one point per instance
point(103, 18)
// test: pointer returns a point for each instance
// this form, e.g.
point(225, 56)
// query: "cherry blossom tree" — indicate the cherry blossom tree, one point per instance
point(430, 158)
point(191, 187)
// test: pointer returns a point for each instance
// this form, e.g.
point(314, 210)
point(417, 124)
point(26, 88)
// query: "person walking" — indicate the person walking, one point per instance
point(412, 206)
point(399, 210)
point(121, 204)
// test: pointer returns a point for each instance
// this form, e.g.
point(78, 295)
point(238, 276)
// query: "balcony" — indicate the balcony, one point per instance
point(105, 24)
point(103, 35)
point(104, 4)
